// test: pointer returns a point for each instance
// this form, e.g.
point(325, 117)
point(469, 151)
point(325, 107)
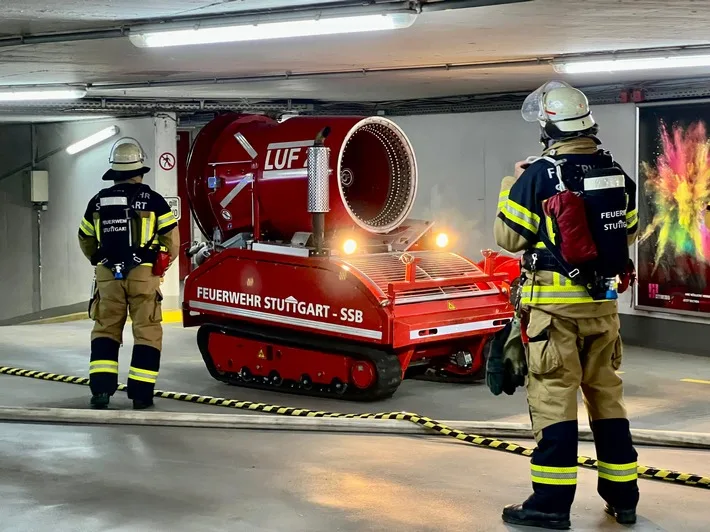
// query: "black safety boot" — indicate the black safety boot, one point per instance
point(100, 401)
point(624, 517)
point(516, 514)
point(139, 404)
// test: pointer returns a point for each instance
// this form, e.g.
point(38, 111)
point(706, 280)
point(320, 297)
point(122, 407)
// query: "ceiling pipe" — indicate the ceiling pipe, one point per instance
point(481, 65)
point(465, 4)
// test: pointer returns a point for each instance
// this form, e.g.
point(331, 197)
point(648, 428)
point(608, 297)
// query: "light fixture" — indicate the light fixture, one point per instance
point(631, 63)
point(271, 30)
point(40, 93)
point(442, 240)
point(349, 246)
point(92, 140)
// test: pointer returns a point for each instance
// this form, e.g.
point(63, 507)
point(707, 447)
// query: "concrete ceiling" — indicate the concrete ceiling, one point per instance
point(528, 30)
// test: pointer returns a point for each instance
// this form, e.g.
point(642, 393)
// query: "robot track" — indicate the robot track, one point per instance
point(269, 358)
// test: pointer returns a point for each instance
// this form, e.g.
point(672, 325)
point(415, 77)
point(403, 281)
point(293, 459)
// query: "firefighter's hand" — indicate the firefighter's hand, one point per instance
point(520, 167)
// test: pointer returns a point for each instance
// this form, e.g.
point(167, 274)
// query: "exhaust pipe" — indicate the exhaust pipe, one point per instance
point(318, 187)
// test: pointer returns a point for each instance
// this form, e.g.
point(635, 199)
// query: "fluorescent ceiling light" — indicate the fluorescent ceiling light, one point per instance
point(92, 140)
point(273, 30)
point(22, 95)
point(631, 63)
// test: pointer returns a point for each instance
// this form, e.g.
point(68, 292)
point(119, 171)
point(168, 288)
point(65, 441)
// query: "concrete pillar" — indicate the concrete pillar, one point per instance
point(165, 176)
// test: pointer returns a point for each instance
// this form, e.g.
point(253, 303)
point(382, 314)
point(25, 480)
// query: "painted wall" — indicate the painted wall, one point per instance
point(73, 180)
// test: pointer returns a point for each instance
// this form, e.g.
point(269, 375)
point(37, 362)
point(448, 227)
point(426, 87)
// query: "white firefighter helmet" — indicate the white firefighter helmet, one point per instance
point(126, 159)
point(126, 154)
point(560, 105)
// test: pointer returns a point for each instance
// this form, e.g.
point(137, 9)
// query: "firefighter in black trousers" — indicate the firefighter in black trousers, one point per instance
point(572, 326)
point(130, 235)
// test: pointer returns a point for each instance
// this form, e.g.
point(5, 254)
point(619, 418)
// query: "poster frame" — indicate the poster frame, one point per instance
point(635, 295)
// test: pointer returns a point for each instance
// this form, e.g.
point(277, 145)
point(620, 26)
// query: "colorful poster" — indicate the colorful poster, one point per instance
point(673, 261)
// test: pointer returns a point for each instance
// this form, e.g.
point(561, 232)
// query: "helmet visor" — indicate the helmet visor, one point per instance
point(126, 150)
point(533, 109)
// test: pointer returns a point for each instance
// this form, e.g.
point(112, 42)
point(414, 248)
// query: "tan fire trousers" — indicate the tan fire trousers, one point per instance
point(138, 295)
point(566, 354)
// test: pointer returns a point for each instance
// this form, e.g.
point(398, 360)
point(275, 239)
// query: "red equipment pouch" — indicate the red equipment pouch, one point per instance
point(575, 241)
point(162, 261)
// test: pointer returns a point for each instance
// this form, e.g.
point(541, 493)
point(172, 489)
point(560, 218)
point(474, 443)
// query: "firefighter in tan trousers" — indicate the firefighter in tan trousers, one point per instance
point(130, 235)
point(574, 340)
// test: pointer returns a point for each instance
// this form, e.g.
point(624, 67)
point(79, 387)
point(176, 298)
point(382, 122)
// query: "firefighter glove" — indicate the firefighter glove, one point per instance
point(515, 367)
point(495, 360)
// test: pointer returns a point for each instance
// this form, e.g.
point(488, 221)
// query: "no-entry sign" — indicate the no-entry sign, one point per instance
point(167, 161)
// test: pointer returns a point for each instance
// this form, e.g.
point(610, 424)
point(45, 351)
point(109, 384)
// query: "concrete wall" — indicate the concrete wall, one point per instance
point(17, 225)
point(73, 180)
point(462, 159)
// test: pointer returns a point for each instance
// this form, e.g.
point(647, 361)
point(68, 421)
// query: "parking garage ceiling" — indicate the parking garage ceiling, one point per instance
point(454, 49)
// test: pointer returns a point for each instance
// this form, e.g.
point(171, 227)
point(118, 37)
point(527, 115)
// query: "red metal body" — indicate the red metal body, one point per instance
point(269, 159)
point(418, 321)
point(278, 315)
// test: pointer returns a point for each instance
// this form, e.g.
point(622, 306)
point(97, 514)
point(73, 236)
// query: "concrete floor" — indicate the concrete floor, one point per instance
point(56, 479)
point(76, 478)
point(656, 396)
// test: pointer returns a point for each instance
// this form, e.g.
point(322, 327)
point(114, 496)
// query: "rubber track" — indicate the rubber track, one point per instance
point(389, 371)
point(651, 473)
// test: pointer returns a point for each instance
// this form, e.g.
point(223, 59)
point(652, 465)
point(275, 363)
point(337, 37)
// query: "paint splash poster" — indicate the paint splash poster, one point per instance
point(674, 208)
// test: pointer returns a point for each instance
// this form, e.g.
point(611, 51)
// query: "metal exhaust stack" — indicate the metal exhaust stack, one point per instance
point(318, 187)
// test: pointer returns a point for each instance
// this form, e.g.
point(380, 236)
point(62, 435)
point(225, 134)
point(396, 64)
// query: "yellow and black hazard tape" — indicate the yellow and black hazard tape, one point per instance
point(651, 473)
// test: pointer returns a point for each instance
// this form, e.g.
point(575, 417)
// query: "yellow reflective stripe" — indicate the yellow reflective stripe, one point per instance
point(141, 379)
point(560, 280)
point(106, 362)
point(550, 229)
point(165, 220)
point(521, 216)
point(151, 224)
point(558, 476)
point(87, 228)
point(502, 199)
point(552, 469)
point(618, 472)
point(145, 225)
point(551, 295)
point(103, 366)
point(142, 375)
point(97, 229)
point(540, 245)
point(632, 218)
point(618, 467)
point(571, 289)
point(146, 371)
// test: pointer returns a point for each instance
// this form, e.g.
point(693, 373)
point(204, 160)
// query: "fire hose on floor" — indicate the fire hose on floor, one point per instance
point(651, 473)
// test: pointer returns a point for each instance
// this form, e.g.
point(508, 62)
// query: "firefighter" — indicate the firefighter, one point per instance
point(130, 235)
point(571, 321)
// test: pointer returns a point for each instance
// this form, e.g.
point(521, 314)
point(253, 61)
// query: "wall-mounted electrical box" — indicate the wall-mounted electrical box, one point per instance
point(39, 186)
